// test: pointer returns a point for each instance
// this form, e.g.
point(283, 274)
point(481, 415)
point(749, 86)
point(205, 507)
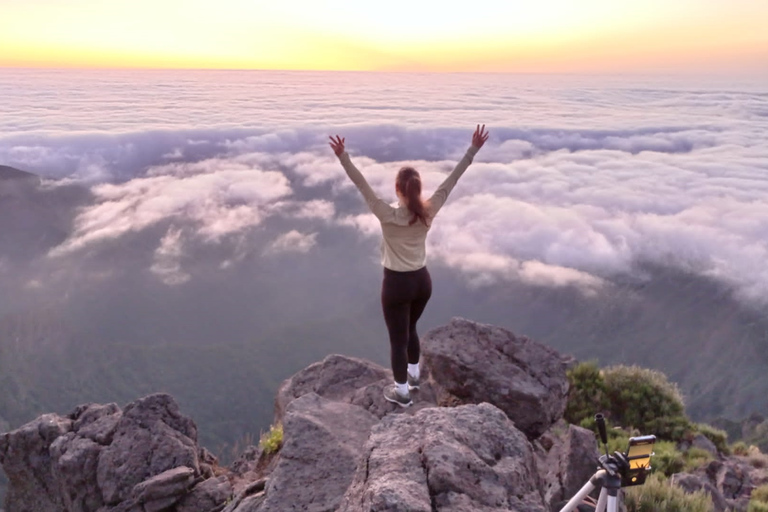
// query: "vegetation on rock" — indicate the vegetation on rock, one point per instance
point(271, 441)
point(658, 494)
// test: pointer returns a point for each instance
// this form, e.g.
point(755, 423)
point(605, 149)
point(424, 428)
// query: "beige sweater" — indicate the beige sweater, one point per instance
point(403, 247)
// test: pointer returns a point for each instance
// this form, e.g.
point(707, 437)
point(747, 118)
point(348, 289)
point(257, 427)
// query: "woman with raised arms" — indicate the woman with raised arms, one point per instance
point(407, 285)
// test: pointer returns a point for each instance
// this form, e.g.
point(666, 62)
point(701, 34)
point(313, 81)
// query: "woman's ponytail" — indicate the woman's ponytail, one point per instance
point(409, 185)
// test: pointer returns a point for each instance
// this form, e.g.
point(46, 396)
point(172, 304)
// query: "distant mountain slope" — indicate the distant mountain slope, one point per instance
point(11, 173)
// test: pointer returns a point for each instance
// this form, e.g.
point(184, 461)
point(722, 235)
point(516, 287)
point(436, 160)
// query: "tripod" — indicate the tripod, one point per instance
point(615, 471)
point(609, 478)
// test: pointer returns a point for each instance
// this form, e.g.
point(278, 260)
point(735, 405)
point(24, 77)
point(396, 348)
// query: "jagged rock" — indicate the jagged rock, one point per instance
point(730, 479)
point(96, 422)
point(323, 441)
point(336, 377)
point(161, 491)
point(468, 458)
point(206, 496)
point(249, 498)
point(24, 454)
point(691, 483)
point(473, 363)
point(151, 437)
point(74, 460)
point(566, 458)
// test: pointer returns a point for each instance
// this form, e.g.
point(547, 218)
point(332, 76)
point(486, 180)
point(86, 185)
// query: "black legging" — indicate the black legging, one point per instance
point(404, 296)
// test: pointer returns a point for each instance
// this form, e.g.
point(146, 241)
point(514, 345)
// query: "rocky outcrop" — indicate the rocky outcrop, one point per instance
point(468, 458)
point(566, 458)
point(323, 442)
point(141, 459)
point(472, 363)
point(479, 437)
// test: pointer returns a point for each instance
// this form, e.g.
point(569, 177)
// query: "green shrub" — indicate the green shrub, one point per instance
point(757, 506)
point(657, 495)
point(667, 459)
point(740, 448)
point(718, 437)
point(760, 494)
point(696, 457)
point(586, 394)
point(645, 400)
point(271, 441)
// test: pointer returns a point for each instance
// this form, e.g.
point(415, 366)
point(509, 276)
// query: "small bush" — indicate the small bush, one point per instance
point(657, 494)
point(757, 506)
point(740, 448)
point(667, 459)
point(586, 394)
point(718, 437)
point(760, 494)
point(696, 457)
point(272, 441)
point(645, 400)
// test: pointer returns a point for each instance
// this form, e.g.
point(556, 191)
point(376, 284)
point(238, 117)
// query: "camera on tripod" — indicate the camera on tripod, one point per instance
point(615, 471)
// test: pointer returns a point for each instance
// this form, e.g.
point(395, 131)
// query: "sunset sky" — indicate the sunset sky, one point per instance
point(399, 35)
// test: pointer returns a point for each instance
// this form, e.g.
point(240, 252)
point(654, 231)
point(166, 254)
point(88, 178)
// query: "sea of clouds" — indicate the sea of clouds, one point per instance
point(582, 180)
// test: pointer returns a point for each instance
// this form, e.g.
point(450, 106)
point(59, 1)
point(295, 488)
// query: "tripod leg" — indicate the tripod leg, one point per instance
point(613, 503)
point(601, 500)
point(578, 497)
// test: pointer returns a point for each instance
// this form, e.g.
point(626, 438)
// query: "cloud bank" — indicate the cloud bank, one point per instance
point(602, 183)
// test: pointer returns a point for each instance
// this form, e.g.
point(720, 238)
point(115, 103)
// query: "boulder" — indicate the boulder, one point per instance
point(566, 458)
point(102, 458)
point(206, 496)
point(467, 458)
point(336, 377)
point(474, 363)
point(350, 380)
point(25, 456)
point(151, 437)
point(323, 442)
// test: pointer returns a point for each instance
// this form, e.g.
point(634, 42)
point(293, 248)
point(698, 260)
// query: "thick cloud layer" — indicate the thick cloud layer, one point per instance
point(577, 184)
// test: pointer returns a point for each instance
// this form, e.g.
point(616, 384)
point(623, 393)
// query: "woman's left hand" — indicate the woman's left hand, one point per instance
point(337, 145)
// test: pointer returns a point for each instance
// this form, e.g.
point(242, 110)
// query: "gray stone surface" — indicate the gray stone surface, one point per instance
point(566, 458)
point(474, 363)
point(467, 458)
point(206, 496)
point(336, 377)
point(73, 461)
point(173, 483)
point(101, 458)
point(24, 454)
point(151, 437)
point(323, 441)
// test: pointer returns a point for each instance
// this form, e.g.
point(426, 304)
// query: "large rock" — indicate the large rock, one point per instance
point(465, 459)
point(208, 495)
point(151, 437)
point(323, 441)
point(25, 456)
point(336, 377)
point(566, 458)
point(349, 380)
point(474, 363)
point(142, 459)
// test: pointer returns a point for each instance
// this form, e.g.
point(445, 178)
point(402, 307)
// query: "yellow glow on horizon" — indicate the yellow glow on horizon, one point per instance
point(509, 35)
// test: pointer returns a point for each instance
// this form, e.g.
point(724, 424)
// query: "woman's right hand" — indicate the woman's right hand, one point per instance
point(337, 145)
point(479, 137)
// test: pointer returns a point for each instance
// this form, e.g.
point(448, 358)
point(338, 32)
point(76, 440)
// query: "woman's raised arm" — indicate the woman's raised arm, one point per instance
point(441, 194)
point(375, 204)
